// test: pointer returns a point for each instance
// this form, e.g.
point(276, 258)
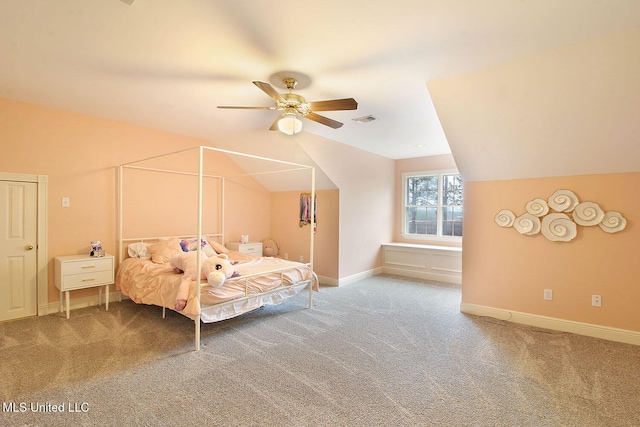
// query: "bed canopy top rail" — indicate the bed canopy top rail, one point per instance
point(158, 156)
point(170, 171)
point(202, 148)
point(177, 236)
point(210, 176)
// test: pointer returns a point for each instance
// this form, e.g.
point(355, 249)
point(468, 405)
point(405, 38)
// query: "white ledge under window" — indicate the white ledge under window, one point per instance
point(431, 262)
point(433, 239)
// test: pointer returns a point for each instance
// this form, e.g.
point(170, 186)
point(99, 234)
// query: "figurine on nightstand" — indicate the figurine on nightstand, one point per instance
point(97, 250)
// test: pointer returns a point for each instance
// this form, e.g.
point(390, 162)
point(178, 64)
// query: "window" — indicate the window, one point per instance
point(433, 205)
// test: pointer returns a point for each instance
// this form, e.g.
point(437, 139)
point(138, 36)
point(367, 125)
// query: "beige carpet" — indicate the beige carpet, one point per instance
point(386, 351)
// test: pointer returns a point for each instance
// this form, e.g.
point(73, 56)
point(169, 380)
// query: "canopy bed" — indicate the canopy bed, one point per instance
point(145, 273)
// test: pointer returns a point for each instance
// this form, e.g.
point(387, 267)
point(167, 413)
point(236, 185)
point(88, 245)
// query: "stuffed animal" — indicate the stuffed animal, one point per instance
point(186, 262)
point(215, 270)
point(270, 247)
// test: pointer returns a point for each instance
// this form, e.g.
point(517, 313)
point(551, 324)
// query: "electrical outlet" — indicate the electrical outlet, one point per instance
point(301, 258)
point(286, 255)
point(596, 300)
point(548, 294)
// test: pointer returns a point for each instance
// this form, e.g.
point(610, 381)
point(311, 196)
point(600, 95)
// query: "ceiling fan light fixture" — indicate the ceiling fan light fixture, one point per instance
point(293, 105)
point(289, 124)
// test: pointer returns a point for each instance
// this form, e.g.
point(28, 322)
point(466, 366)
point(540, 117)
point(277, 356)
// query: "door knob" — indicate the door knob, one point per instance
point(29, 247)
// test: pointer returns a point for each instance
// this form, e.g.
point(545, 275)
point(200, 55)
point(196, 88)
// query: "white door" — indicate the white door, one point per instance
point(18, 219)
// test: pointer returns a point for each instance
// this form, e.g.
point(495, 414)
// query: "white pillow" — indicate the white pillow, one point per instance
point(138, 250)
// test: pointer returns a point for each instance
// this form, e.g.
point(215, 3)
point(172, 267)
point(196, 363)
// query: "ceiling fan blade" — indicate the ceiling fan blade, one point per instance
point(323, 120)
point(246, 108)
point(334, 104)
point(269, 90)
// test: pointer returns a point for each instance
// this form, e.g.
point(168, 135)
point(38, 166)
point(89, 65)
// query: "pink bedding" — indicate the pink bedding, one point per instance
point(146, 282)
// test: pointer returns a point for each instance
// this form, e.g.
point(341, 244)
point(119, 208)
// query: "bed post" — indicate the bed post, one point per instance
point(313, 226)
point(199, 247)
point(197, 331)
point(222, 234)
point(120, 243)
point(120, 248)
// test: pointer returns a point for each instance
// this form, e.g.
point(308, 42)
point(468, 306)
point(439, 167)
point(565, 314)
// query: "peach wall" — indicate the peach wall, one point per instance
point(294, 240)
point(175, 197)
point(504, 269)
point(79, 154)
point(418, 164)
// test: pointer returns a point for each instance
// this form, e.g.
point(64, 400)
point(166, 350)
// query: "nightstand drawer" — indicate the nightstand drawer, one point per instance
point(86, 280)
point(251, 248)
point(88, 265)
point(246, 248)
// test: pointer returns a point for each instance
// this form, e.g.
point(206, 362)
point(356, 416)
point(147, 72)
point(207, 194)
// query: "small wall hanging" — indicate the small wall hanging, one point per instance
point(566, 214)
point(305, 209)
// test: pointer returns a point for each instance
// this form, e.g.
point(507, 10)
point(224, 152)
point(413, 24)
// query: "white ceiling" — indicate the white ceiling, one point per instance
point(167, 64)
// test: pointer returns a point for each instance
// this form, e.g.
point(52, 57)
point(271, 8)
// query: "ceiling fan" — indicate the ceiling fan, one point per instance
point(293, 105)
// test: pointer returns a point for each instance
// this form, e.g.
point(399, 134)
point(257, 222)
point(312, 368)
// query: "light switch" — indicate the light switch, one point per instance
point(66, 202)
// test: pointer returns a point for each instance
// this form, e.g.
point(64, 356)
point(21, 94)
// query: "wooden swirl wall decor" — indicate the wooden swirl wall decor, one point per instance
point(557, 217)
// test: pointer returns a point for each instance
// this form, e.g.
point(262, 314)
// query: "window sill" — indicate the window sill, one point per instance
point(432, 240)
point(423, 246)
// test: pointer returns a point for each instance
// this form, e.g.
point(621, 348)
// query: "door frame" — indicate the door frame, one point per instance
point(42, 262)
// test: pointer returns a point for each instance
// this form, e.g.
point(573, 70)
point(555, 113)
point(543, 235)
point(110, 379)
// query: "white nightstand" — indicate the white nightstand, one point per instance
point(246, 248)
point(83, 271)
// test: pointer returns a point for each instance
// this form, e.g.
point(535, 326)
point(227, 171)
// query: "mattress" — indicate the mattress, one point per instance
point(262, 280)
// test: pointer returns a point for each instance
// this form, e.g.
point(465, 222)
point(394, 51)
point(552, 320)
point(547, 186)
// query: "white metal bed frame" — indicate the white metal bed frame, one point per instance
point(199, 235)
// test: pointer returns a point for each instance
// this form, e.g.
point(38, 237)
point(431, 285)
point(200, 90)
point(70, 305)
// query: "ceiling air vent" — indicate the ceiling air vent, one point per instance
point(365, 119)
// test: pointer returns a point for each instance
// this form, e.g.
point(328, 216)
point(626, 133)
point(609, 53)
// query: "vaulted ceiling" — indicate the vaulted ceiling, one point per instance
point(568, 111)
point(167, 64)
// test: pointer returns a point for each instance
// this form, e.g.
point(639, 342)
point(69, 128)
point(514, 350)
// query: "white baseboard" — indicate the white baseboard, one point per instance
point(587, 329)
point(359, 276)
point(330, 281)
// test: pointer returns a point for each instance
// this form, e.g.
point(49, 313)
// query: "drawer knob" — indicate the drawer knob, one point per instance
point(29, 247)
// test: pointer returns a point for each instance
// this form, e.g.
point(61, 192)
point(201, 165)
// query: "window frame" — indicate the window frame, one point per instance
point(439, 237)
